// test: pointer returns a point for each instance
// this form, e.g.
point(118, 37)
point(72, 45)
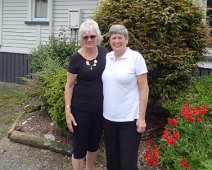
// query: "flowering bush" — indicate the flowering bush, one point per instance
point(189, 139)
point(151, 154)
point(186, 142)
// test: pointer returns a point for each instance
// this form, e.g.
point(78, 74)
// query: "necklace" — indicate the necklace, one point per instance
point(91, 65)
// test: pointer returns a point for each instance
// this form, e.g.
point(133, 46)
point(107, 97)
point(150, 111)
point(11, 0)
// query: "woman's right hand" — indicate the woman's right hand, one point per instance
point(70, 120)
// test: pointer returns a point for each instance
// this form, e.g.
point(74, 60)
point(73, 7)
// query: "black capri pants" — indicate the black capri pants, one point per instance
point(87, 134)
point(122, 142)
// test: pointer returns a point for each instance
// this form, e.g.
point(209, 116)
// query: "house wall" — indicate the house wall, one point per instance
point(16, 36)
point(60, 14)
point(0, 21)
point(19, 36)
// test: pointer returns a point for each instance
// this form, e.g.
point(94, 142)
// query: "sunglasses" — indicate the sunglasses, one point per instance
point(87, 37)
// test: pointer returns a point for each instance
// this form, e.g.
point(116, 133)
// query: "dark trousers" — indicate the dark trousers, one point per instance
point(87, 133)
point(122, 143)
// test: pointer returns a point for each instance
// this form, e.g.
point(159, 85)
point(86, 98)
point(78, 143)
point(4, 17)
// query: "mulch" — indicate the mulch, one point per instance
point(39, 123)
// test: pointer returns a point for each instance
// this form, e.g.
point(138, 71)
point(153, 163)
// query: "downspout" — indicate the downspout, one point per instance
point(1, 20)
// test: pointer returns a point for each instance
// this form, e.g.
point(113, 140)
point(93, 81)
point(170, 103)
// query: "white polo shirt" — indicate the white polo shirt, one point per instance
point(120, 88)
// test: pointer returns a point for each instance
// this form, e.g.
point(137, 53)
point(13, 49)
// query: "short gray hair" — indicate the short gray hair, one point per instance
point(118, 29)
point(89, 26)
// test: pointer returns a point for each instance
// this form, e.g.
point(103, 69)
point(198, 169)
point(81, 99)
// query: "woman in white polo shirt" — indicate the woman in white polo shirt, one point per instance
point(126, 91)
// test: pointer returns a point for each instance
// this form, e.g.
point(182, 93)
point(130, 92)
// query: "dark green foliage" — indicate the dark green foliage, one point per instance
point(58, 48)
point(195, 143)
point(199, 91)
point(47, 82)
point(169, 33)
point(55, 98)
point(46, 60)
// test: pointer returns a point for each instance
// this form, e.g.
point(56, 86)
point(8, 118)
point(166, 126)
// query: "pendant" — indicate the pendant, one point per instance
point(93, 65)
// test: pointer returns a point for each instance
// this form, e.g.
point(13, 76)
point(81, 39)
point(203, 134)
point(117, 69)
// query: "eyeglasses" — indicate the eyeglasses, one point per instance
point(92, 37)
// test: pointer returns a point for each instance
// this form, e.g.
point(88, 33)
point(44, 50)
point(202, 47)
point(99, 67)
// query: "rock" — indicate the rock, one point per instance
point(3, 151)
point(49, 137)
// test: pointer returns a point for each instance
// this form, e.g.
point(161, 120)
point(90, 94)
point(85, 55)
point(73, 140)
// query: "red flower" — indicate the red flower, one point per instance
point(176, 134)
point(205, 106)
point(170, 139)
point(202, 111)
point(156, 152)
point(150, 142)
point(195, 110)
point(165, 134)
point(186, 105)
point(198, 119)
point(151, 154)
point(173, 121)
point(184, 164)
point(192, 115)
point(189, 119)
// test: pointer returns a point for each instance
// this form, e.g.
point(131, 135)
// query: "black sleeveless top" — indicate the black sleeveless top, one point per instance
point(88, 89)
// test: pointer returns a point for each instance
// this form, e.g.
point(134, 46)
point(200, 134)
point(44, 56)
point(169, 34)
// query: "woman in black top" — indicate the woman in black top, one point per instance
point(84, 96)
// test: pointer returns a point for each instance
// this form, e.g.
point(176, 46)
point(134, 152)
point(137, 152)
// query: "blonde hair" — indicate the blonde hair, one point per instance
point(89, 26)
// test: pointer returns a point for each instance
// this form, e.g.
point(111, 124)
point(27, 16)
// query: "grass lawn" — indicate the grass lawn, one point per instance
point(11, 105)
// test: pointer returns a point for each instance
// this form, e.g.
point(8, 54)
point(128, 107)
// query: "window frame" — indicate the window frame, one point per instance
point(33, 12)
point(38, 21)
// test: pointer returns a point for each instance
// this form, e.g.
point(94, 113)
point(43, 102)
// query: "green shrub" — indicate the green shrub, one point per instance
point(170, 34)
point(195, 141)
point(198, 92)
point(58, 48)
point(55, 98)
point(46, 60)
point(34, 86)
point(47, 82)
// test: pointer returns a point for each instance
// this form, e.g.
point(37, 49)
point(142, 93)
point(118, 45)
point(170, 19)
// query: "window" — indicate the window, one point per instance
point(40, 10)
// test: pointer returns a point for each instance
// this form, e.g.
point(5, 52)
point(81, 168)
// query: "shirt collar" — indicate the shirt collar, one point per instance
point(124, 56)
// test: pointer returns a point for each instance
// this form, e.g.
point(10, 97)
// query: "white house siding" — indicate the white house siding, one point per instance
point(44, 35)
point(0, 21)
point(60, 13)
point(18, 37)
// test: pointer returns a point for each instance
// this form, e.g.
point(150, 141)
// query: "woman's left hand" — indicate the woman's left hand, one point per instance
point(141, 125)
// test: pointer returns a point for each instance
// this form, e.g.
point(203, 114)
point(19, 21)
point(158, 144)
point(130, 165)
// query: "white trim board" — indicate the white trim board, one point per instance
point(1, 24)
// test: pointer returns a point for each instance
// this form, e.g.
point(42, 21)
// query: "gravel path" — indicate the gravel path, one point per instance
point(14, 156)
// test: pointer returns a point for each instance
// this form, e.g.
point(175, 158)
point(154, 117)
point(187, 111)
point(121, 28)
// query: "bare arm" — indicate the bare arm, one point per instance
point(143, 98)
point(71, 78)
